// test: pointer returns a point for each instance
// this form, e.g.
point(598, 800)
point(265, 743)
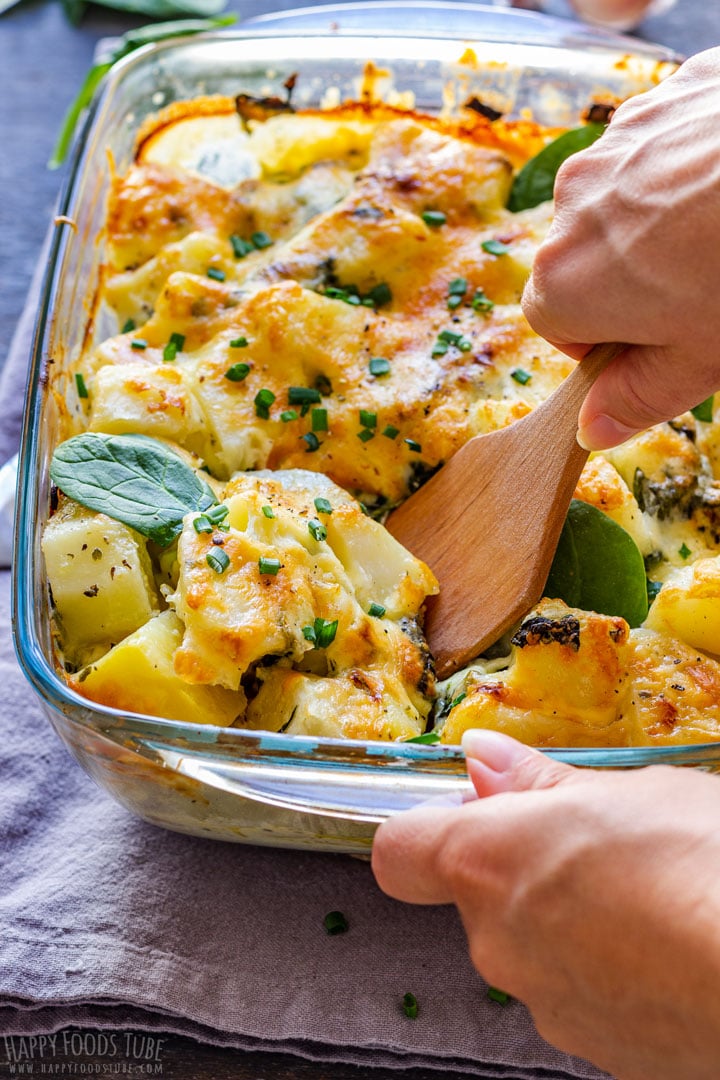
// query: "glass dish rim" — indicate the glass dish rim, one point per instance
point(36, 666)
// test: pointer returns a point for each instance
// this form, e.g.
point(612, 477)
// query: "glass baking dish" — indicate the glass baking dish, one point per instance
point(224, 782)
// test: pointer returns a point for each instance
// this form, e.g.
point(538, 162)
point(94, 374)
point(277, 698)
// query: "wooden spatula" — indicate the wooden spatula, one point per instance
point(489, 521)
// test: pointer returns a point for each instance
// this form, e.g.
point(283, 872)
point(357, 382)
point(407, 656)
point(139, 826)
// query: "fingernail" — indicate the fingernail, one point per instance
point(494, 750)
point(602, 432)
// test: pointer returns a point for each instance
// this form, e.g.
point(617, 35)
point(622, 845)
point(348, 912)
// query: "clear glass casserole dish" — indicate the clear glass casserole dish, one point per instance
point(229, 783)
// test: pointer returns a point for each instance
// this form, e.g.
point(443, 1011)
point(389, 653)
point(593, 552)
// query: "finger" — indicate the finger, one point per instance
point(496, 763)
point(634, 393)
point(405, 855)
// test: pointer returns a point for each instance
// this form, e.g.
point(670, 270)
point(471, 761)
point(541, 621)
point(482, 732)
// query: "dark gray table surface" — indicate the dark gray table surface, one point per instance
point(42, 62)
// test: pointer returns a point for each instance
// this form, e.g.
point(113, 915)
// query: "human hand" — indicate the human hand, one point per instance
point(634, 256)
point(594, 897)
point(618, 14)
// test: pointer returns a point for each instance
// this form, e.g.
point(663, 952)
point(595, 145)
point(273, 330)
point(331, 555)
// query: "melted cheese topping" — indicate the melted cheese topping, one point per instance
point(362, 257)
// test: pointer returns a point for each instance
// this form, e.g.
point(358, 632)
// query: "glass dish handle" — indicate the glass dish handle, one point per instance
point(351, 792)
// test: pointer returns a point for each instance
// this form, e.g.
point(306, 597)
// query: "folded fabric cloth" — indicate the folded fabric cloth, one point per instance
point(108, 922)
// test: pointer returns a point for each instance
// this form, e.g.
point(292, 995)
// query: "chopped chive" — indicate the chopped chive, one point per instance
point(376, 610)
point(458, 286)
point(263, 400)
point(237, 372)
point(268, 511)
point(335, 922)
point(128, 325)
point(704, 411)
point(323, 506)
point(498, 995)
point(368, 419)
point(366, 435)
point(323, 384)
point(269, 566)
point(215, 273)
point(450, 337)
point(261, 240)
point(429, 738)
point(325, 632)
point(380, 294)
point(481, 302)
point(520, 375)
point(414, 446)
point(239, 343)
point(458, 699)
point(288, 415)
point(82, 390)
point(439, 348)
point(319, 419)
point(217, 560)
point(410, 1006)
point(317, 530)
point(454, 301)
point(177, 340)
point(313, 443)
point(309, 634)
point(241, 247)
point(653, 588)
point(434, 218)
point(464, 344)
point(202, 525)
point(684, 551)
point(303, 395)
point(169, 352)
point(138, 343)
point(495, 247)
point(218, 513)
point(379, 366)
point(391, 432)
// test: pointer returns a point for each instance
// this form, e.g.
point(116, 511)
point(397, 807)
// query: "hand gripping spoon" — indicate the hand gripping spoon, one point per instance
point(489, 521)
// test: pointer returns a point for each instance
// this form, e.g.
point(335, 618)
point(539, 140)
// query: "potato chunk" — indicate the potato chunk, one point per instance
point(100, 577)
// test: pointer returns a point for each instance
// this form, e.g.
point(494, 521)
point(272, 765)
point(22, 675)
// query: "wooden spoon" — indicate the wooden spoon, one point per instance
point(489, 521)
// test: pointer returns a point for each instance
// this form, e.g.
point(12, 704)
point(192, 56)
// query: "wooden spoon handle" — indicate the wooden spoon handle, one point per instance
point(569, 396)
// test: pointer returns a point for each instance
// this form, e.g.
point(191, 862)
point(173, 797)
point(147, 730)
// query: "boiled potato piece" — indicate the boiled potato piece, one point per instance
point(688, 606)
point(138, 675)
point(100, 577)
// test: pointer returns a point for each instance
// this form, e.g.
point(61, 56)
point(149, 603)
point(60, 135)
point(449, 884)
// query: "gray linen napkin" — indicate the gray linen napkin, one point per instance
point(110, 923)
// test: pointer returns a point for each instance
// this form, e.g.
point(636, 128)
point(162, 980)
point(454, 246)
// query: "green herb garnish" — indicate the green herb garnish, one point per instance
point(217, 560)
point(458, 699)
point(704, 411)
point(323, 506)
point(218, 513)
point(319, 420)
point(202, 524)
point(321, 633)
point(391, 432)
point(414, 446)
point(241, 247)
point(495, 247)
point(481, 302)
point(653, 588)
point(335, 923)
point(139, 343)
point(303, 395)
point(288, 415)
point(379, 366)
point(498, 995)
point(368, 419)
point(520, 376)
point(684, 552)
point(429, 738)
point(215, 273)
point(313, 443)
point(82, 390)
point(380, 294)
point(175, 345)
point(366, 435)
point(238, 343)
point(268, 511)
point(410, 1006)
point(317, 530)
point(269, 566)
point(434, 218)
point(237, 372)
point(263, 400)
point(376, 610)
point(261, 240)
point(535, 182)
point(133, 479)
point(128, 325)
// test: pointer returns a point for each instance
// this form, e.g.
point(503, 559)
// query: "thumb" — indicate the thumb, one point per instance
point(638, 389)
point(496, 763)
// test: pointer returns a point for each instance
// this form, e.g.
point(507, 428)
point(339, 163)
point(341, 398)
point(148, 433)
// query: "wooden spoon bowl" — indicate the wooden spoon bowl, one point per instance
point(489, 521)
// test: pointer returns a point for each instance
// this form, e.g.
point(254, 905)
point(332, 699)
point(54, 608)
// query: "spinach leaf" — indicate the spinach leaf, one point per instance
point(133, 39)
point(166, 9)
point(598, 566)
point(430, 738)
point(133, 479)
point(704, 411)
point(535, 182)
